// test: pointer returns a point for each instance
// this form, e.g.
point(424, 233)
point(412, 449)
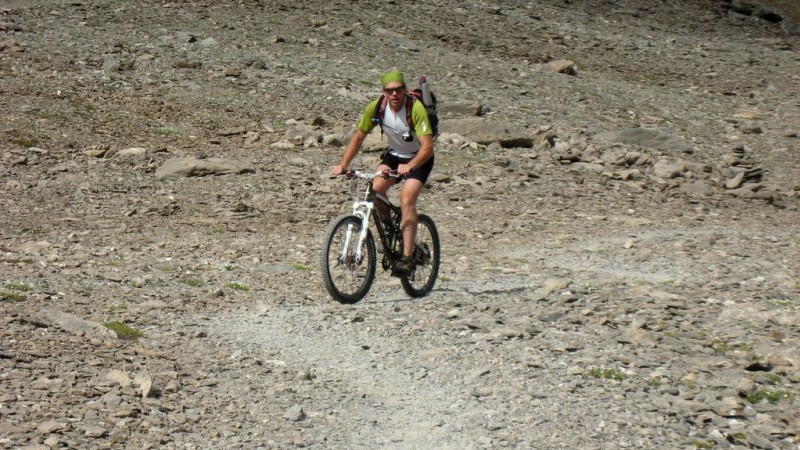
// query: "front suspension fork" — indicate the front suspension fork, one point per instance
point(361, 210)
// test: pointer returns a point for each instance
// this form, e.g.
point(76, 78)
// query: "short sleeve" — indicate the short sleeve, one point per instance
point(419, 115)
point(366, 124)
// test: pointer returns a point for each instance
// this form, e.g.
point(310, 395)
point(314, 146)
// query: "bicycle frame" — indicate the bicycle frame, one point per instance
point(364, 209)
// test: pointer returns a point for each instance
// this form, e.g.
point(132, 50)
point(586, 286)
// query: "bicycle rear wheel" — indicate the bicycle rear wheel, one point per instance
point(426, 259)
point(346, 276)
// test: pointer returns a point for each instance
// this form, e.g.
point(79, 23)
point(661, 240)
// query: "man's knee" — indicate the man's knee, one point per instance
point(408, 200)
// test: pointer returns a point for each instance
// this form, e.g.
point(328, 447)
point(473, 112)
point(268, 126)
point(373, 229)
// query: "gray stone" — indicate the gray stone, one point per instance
point(666, 170)
point(192, 167)
point(563, 66)
point(69, 322)
point(295, 414)
point(487, 131)
point(646, 138)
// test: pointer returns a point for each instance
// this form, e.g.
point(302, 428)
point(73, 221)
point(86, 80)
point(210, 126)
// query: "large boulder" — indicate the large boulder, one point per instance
point(193, 167)
point(487, 131)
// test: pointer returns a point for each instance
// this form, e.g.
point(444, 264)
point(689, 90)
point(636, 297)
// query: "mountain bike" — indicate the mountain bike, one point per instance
point(349, 257)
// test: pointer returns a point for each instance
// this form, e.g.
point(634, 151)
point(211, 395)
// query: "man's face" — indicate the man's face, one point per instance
point(395, 93)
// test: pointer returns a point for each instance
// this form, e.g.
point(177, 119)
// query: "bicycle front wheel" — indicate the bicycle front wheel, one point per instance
point(347, 276)
point(426, 259)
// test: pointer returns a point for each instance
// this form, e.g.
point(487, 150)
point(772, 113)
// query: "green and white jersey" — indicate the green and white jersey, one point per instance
point(395, 127)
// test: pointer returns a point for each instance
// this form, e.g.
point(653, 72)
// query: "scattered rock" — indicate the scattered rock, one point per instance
point(638, 291)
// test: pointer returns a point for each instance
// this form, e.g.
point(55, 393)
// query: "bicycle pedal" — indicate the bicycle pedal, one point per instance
point(401, 273)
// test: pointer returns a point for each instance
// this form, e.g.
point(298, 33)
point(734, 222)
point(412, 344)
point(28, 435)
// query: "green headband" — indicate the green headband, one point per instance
point(394, 75)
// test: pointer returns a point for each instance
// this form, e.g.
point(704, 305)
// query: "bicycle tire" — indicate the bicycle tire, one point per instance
point(347, 281)
point(427, 258)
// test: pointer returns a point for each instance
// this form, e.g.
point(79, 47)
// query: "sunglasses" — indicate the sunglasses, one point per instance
point(398, 90)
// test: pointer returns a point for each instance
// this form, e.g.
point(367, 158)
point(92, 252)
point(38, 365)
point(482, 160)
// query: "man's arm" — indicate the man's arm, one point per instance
point(425, 152)
point(363, 129)
point(422, 127)
point(350, 152)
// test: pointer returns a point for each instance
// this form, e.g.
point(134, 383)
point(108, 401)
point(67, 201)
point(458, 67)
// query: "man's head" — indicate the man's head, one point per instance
point(394, 88)
point(395, 76)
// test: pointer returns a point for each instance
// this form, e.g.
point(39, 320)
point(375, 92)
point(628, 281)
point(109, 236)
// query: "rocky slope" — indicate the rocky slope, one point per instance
point(615, 189)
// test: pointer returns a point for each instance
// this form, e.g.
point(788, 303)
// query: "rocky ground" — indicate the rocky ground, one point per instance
point(616, 192)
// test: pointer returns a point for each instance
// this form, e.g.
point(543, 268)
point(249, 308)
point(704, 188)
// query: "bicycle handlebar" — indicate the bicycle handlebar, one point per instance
point(350, 174)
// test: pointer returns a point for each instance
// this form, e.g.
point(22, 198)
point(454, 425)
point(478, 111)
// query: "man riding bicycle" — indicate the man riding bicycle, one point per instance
point(410, 153)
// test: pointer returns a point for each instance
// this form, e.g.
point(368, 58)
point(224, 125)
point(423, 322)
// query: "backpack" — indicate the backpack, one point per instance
point(411, 96)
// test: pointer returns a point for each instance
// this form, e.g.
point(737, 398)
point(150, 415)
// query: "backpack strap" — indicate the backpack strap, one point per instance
point(379, 111)
point(409, 106)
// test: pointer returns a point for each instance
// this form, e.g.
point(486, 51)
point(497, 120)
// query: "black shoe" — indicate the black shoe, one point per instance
point(403, 268)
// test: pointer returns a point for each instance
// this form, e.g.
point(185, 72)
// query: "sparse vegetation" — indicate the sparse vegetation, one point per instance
point(166, 131)
point(209, 121)
point(477, 151)
point(12, 297)
point(688, 383)
point(607, 374)
point(787, 304)
point(20, 261)
point(26, 142)
point(724, 347)
point(124, 331)
point(774, 378)
point(21, 287)
point(193, 281)
point(12, 292)
point(237, 286)
point(770, 395)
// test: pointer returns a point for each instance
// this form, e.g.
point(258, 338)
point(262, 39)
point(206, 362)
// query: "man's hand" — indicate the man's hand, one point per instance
point(404, 169)
point(338, 170)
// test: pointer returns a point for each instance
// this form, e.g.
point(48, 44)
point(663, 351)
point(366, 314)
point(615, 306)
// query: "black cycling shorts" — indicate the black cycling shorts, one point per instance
point(420, 173)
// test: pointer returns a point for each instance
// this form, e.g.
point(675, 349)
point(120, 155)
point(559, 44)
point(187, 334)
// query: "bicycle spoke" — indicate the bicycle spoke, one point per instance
point(426, 259)
point(347, 276)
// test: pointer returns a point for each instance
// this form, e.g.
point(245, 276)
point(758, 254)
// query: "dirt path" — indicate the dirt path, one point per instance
point(506, 358)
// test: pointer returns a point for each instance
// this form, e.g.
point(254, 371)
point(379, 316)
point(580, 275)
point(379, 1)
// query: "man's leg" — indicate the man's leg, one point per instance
point(381, 186)
point(408, 224)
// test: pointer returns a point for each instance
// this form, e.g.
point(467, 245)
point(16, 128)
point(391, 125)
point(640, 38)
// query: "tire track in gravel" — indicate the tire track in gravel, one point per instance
point(380, 382)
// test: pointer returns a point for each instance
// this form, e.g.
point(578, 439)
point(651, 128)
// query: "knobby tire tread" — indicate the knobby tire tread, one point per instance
point(415, 288)
point(334, 286)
